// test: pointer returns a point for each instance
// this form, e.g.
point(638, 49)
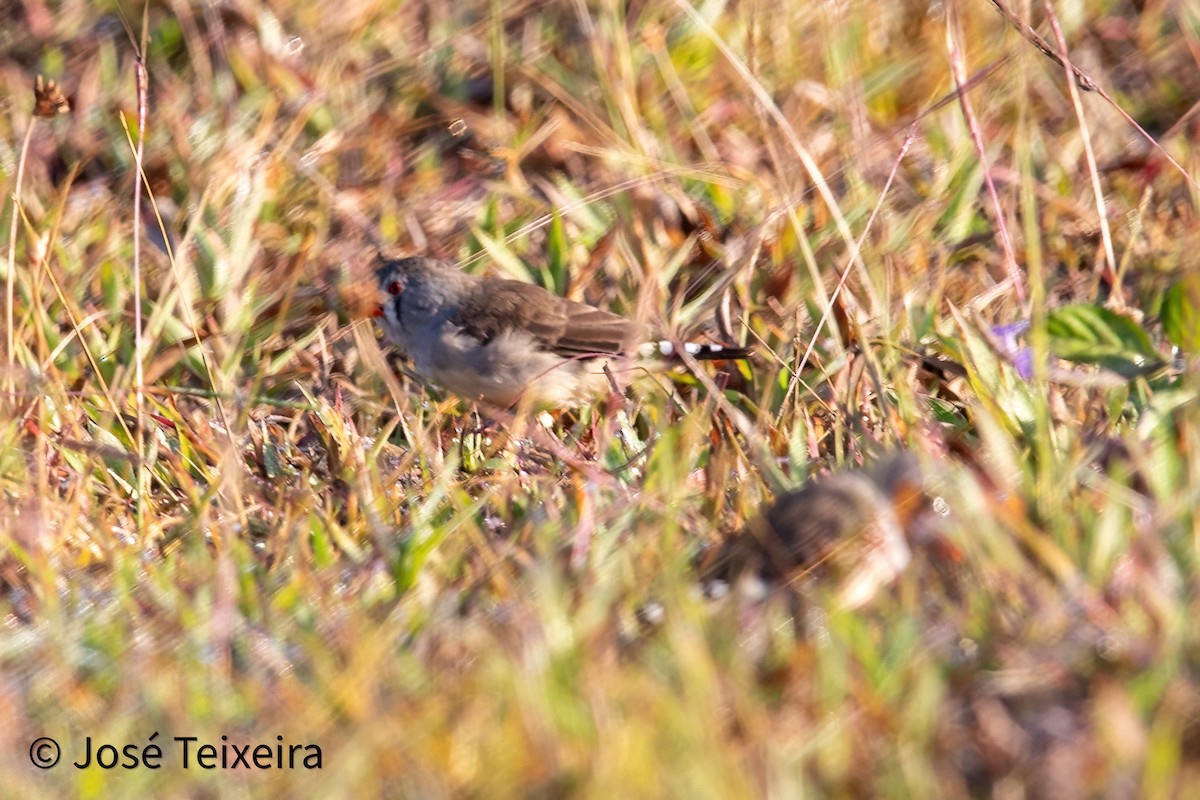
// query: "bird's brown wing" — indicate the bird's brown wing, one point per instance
point(559, 325)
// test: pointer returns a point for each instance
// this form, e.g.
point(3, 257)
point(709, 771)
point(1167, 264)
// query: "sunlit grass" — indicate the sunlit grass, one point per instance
point(329, 552)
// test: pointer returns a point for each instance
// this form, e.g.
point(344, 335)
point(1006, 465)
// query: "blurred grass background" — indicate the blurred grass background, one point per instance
point(312, 546)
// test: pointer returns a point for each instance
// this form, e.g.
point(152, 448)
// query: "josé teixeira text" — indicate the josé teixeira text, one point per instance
point(189, 752)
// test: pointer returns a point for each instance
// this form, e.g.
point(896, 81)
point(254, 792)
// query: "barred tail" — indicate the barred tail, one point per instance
point(700, 352)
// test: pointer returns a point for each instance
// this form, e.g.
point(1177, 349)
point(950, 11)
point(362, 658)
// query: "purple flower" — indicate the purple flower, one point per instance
point(1020, 357)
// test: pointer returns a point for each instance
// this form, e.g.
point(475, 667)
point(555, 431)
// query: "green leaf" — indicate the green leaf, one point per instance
point(558, 253)
point(1181, 314)
point(504, 258)
point(1091, 334)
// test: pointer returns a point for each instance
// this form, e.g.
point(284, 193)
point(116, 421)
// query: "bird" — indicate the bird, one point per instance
point(851, 529)
point(506, 342)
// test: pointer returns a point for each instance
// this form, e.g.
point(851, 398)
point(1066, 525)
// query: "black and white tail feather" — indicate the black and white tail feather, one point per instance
point(667, 350)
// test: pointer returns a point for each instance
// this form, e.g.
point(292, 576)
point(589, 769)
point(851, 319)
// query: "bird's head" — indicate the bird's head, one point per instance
point(411, 286)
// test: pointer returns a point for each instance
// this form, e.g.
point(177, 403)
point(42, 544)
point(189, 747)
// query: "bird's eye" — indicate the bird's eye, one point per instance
point(394, 288)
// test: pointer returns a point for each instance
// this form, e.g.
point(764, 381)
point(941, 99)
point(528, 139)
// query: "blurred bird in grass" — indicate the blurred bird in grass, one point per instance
point(852, 530)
